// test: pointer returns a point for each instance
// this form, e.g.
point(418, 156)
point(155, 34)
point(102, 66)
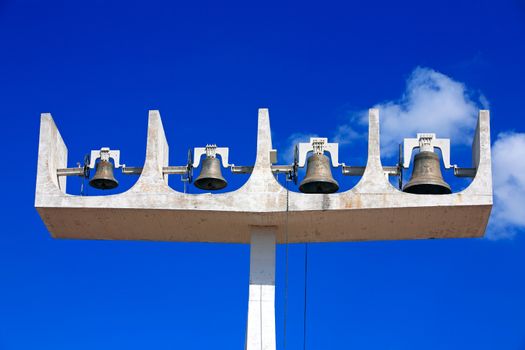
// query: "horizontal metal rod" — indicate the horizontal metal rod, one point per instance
point(282, 169)
point(183, 169)
point(276, 169)
point(465, 172)
point(167, 170)
point(360, 170)
point(353, 170)
point(131, 170)
point(391, 170)
point(240, 169)
point(347, 170)
point(175, 170)
point(70, 172)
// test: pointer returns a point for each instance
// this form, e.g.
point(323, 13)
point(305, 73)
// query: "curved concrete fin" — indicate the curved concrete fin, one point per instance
point(374, 156)
point(481, 157)
point(52, 155)
point(373, 179)
point(157, 154)
point(264, 141)
point(261, 179)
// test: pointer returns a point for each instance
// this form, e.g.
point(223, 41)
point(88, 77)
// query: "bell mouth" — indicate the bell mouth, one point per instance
point(316, 186)
point(103, 184)
point(210, 184)
point(427, 189)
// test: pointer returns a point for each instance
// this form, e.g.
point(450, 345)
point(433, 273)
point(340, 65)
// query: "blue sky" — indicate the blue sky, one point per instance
point(99, 67)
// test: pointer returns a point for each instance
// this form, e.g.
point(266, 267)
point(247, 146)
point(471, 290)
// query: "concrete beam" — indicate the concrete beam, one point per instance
point(151, 210)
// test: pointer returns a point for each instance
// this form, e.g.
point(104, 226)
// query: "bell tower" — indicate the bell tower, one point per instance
point(263, 213)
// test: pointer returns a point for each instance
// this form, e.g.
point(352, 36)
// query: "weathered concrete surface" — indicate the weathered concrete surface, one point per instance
point(151, 210)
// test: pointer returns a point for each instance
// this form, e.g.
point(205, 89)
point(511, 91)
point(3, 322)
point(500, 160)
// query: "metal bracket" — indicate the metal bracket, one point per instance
point(105, 154)
point(318, 145)
point(426, 142)
point(210, 151)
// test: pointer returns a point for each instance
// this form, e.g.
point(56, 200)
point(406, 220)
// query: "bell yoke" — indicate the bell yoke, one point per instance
point(426, 177)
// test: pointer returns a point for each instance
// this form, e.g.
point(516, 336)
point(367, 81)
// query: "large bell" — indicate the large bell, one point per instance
point(104, 179)
point(426, 176)
point(318, 177)
point(210, 177)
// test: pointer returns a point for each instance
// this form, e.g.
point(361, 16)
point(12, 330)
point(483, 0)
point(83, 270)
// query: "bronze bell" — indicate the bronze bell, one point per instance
point(210, 177)
point(104, 179)
point(318, 177)
point(426, 176)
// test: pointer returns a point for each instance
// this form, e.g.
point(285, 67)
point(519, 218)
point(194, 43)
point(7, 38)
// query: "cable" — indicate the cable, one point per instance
point(261, 313)
point(82, 185)
point(305, 288)
point(286, 266)
point(83, 191)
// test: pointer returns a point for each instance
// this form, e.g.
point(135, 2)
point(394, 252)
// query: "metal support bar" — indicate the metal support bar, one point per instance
point(131, 170)
point(395, 171)
point(282, 169)
point(276, 169)
point(71, 172)
point(392, 170)
point(360, 170)
point(465, 172)
point(241, 169)
point(260, 334)
point(167, 170)
point(353, 170)
point(175, 170)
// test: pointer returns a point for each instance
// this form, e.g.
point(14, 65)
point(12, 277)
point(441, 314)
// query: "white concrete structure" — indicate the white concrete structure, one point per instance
point(260, 331)
point(258, 211)
point(151, 210)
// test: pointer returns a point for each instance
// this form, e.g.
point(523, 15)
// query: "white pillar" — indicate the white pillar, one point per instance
point(260, 334)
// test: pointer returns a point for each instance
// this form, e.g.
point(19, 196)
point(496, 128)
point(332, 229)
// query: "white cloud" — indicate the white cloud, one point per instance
point(346, 133)
point(432, 102)
point(508, 161)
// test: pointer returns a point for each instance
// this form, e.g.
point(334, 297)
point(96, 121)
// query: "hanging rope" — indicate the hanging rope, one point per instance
point(83, 191)
point(286, 264)
point(261, 314)
point(305, 288)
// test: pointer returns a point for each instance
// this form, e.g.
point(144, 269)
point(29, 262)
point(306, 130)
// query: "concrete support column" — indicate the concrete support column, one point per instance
point(260, 334)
